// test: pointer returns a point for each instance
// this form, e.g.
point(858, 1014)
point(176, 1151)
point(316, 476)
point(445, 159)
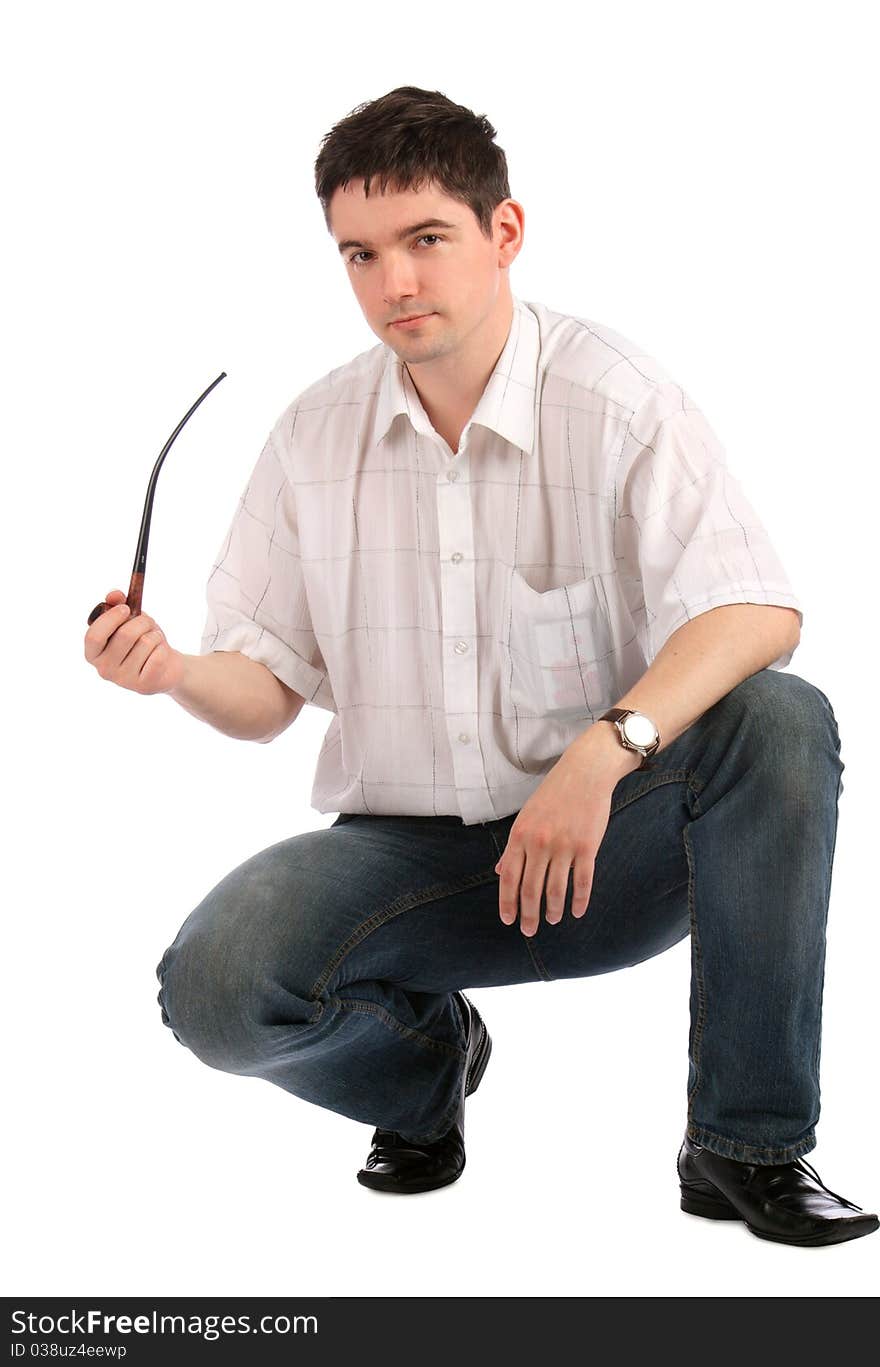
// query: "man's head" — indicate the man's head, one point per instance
point(431, 159)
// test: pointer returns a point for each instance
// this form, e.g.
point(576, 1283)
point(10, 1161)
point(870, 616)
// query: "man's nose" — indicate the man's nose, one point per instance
point(399, 280)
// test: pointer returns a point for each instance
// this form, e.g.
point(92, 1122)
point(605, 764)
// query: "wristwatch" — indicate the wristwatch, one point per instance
point(636, 732)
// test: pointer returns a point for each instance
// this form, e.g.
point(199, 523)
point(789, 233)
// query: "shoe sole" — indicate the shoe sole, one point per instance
point(719, 1208)
point(389, 1186)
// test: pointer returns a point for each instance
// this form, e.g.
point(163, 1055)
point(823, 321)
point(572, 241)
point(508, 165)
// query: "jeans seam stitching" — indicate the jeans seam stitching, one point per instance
point(448, 1118)
point(817, 1052)
point(498, 849)
point(406, 902)
point(540, 966)
point(374, 1009)
point(699, 1024)
point(805, 1145)
point(668, 776)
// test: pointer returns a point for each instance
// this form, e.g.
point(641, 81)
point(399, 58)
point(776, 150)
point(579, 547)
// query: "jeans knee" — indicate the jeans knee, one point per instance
point(792, 727)
point(161, 970)
point(206, 1001)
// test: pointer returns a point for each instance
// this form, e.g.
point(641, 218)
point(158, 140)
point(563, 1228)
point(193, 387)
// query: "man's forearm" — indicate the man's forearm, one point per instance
point(699, 664)
point(232, 693)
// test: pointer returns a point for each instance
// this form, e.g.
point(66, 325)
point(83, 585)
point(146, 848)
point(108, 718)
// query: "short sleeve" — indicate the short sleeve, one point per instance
point(686, 537)
point(256, 593)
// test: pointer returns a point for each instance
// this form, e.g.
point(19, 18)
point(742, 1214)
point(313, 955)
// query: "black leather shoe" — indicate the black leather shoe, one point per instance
point(785, 1202)
point(397, 1164)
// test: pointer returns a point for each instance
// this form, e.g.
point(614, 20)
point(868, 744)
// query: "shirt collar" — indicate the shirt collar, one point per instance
point(507, 404)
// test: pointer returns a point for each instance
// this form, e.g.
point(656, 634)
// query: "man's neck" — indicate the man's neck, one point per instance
point(450, 395)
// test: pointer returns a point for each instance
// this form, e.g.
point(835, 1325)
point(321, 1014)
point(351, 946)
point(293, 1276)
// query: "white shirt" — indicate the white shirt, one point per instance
point(465, 616)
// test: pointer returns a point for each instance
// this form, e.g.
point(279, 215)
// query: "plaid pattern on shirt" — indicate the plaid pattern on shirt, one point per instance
point(464, 616)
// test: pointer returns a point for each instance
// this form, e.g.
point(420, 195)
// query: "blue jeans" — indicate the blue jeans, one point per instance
point(326, 962)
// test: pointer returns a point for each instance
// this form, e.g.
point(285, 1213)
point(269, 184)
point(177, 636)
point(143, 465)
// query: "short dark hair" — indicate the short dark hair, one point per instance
point(408, 138)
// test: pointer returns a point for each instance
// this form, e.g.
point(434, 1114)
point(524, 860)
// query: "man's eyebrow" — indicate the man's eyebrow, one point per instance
point(404, 232)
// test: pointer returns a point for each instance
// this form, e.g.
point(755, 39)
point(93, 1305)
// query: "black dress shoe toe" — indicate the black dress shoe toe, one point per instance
point(401, 1165)
point(397, 1164)
point(785, 1202)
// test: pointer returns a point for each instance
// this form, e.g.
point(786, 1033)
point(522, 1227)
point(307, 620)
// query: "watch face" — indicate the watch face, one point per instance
point(639, 729)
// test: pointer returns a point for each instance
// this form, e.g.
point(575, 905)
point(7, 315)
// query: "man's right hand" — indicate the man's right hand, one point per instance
point(132, 653)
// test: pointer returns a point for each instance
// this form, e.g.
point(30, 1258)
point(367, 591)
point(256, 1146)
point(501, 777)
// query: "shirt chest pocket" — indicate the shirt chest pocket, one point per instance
point(559, 651)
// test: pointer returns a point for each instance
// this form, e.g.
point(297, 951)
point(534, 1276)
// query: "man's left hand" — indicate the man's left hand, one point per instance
point(561, 824)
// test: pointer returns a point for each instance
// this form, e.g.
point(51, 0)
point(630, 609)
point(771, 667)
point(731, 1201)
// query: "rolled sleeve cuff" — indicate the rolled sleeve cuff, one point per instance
point(763, 597)
point(266, 649)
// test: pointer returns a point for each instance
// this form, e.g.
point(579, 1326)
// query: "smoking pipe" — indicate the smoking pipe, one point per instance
point(136, 587)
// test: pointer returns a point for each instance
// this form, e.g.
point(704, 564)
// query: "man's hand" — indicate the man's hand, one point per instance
point(562, 824)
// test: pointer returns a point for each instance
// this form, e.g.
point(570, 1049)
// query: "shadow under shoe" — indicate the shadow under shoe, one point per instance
point(785, 1202)
point(401, 1165)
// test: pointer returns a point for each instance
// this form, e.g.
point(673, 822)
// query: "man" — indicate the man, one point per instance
point(503, 549)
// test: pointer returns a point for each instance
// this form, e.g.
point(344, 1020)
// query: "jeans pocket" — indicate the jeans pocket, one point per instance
point(560, 649)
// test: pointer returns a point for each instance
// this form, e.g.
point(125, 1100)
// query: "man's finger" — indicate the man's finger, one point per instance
point(530, 891)
point(508, 892)
point(557, 888)
point(583, 884)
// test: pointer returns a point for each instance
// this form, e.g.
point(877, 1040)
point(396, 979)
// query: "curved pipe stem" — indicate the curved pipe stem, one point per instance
point(136, 586)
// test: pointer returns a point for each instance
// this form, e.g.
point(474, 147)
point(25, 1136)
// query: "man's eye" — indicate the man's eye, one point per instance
point(353, 260)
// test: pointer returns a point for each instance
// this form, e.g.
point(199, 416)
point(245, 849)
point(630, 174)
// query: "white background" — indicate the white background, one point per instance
point(697, 177)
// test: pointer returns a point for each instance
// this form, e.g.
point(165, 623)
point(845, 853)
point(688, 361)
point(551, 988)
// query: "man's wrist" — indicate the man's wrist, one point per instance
point(602, 749)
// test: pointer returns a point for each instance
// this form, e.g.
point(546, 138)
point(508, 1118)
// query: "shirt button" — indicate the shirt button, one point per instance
point(464, 737)
point(452, 474)
point(460, 647)
point(456, 556)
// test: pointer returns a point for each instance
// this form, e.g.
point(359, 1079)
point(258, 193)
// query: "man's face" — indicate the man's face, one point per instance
point(451, 272)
